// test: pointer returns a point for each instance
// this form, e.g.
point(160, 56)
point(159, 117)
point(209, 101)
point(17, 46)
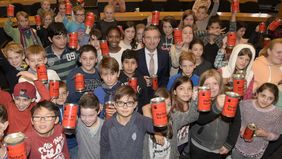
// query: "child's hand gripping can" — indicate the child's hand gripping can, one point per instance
point(154, 81)
point(89, 22)
point(249, 132)
point(15, 146)
point(104, 47)
point(177, 33)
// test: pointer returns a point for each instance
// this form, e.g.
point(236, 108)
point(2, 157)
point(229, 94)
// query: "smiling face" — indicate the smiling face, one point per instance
point(88, 61)
point(15, 59)
point(47, 120)
point(125, 110)
point(242, 62)
point(129, 33)
point(22, 103)
point(35, 59)
point(197, 50)
point(88, 116)
point(167, 28)
point(189, 20)
point(151, 39)
point(184, 92)
point(265, 98)
point(113, 38)
point(187, 34)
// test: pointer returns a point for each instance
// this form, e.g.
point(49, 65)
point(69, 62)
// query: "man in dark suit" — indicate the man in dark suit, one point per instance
point(153, 61)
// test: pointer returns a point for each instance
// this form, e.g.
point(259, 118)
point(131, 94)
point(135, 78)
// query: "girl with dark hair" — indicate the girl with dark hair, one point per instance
point(129, 32)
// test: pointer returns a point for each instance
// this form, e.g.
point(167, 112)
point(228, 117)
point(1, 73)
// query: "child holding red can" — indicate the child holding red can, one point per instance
point(92, 80)
point(241, 60)
point(46, 139)
point(129, 76)
point(212, 136)
point(268, 128)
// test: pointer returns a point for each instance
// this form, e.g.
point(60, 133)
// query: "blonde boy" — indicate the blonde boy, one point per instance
point(23, 34)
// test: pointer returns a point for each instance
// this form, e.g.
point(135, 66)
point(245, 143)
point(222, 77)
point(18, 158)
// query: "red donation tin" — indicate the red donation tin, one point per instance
point(73, 40)
point(235, 6)
point(159, 113)
point(89, 22)
point(204, 99)
point(79, 82)
point(41, 71)
point(249, 132)
point(70, 116)
point(155, 18)
point(266, 42)
point(68, 8)
point(108, 105)
point(54, 88)
point(104, 47)
point(230, 104)
point(262, 27)
point(37, 19)
point(132, 82)
point(10, 10)
point(15, 146)
point(239, 84)
point(177, 33)
point(154, 80)
point(274, 24)
point(231, 39)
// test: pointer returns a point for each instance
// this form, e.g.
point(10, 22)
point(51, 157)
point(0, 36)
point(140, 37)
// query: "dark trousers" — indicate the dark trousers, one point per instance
point(272, 148)
point(197, 153)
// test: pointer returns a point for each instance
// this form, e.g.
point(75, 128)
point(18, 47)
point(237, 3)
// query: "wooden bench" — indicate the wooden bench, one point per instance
point(138, 16)
point(23, 2)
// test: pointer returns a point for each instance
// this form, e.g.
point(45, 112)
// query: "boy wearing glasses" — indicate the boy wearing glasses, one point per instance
point(77, 25)
point(122, 135)
point(46, 139)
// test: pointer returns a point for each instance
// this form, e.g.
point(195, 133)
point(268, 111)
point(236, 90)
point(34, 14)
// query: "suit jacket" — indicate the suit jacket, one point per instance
point(163, 66)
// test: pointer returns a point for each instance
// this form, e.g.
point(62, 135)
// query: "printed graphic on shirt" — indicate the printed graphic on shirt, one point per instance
point(158, 151)
point(182, 135)
point(53, 149)
point(134, 136)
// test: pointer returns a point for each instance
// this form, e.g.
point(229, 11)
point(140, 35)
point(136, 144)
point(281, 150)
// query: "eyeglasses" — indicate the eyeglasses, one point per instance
point(45, 118)
point(122, 104)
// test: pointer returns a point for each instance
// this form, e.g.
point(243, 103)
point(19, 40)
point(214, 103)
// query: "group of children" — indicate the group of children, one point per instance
point(114, 119)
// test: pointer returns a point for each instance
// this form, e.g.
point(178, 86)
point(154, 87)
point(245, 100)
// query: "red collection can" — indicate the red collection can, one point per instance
point(37, 19)
point(54, 88)
point(104, 47)
point(10, 10)
point(274, 24)
point(230, 104)
point(132, 82)
point(108, 105)
point(155, 18)
point(79, 82)
point(249, 132)
point(239, 84)
point(262, 27)
point(68, 8)
point(73, 40)
point(177, 33)
point(231, 39)
point(154, 80)
point(70, 116)
point(15, 146)
point(89, 22)
point(204, 99)
point(235, 6)
point(159, 113)
point(266, 42)
point(41, 71)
